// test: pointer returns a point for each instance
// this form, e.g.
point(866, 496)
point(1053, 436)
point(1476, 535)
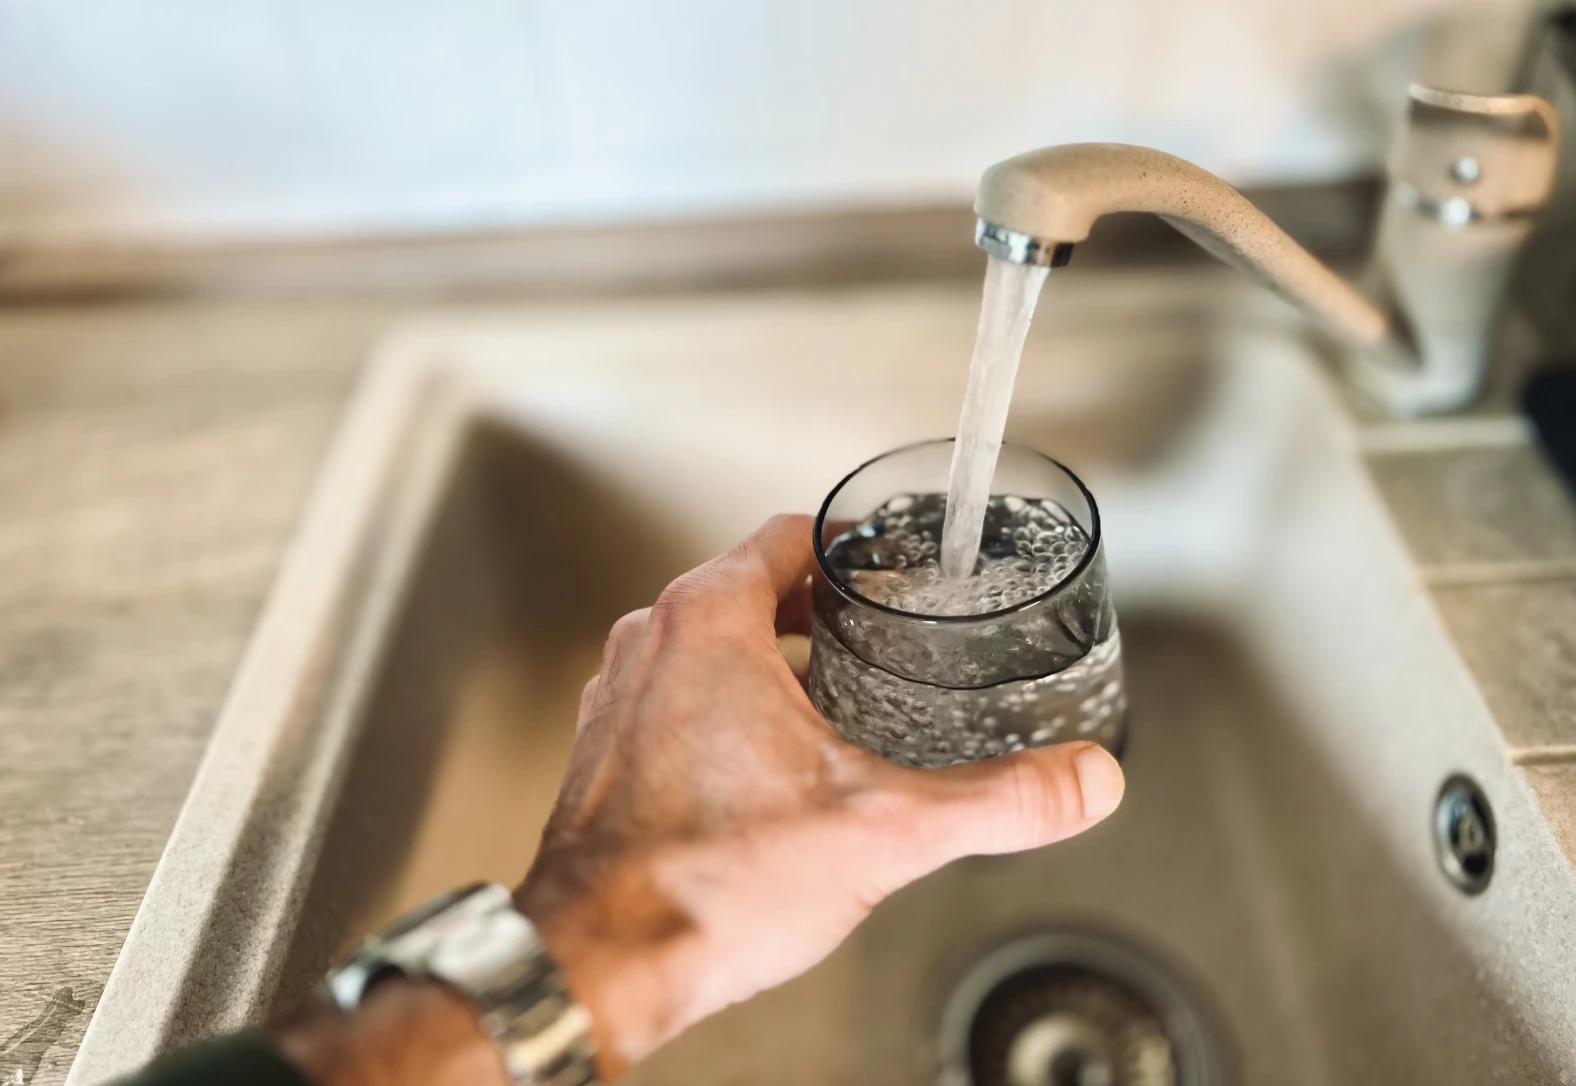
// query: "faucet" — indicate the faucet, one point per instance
point(1466, 181)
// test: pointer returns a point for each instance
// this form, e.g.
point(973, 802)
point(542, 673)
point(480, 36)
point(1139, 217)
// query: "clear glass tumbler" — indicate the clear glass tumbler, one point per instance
point(930, 672)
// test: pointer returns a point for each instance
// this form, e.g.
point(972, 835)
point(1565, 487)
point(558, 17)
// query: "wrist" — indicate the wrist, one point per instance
point(620, 955)
point(420, 1033)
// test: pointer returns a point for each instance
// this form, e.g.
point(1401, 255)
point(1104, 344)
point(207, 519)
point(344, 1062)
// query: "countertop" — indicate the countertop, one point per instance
point(154, 456)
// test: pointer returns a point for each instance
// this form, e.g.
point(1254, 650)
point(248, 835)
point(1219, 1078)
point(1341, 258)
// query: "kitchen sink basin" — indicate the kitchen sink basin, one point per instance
point(508, 483)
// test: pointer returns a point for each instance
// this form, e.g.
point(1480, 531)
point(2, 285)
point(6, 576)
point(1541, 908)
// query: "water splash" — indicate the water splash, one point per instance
point(1011, 291)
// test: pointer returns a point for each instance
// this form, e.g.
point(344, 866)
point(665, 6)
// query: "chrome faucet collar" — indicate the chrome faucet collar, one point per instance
point(1021, 248)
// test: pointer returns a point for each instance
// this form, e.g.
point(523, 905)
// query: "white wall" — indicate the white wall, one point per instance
point(208, 118)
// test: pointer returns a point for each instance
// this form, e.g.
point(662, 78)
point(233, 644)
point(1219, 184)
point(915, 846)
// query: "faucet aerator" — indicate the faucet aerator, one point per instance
point(1021, 248)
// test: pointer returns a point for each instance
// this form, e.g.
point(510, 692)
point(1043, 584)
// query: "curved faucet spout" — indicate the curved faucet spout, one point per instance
point(1034, 207)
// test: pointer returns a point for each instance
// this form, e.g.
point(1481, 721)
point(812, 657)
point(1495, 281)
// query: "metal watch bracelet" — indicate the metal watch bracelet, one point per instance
point(477, 942)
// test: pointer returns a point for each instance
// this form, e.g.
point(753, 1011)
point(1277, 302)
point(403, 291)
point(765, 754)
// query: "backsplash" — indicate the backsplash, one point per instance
point(188, 120)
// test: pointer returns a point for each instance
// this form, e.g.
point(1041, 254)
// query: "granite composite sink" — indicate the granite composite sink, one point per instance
point(508, 483)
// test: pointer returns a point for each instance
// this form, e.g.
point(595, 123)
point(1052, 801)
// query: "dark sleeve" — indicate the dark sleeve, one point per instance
point(240, 1059)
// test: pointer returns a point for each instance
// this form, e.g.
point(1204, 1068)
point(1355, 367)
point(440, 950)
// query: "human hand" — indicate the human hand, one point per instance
point(715, 837)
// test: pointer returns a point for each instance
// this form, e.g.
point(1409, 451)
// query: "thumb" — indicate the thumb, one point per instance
point(1008, 804)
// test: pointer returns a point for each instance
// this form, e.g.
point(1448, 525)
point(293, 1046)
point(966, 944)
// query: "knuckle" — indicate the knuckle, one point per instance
point(623, 633)
point(783, 522)
point(691, 600)
point(741, 562)
point(630, 623)
point(628, 627)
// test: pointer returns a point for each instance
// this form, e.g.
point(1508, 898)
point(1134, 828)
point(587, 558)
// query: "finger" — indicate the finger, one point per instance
point(1008, 804)
point(622, 642)
point(795, 606)
point(764, 569)
point(781, 548)
point(795, 651)
point(1024, 800)
point(793, 610)
point(587, 701)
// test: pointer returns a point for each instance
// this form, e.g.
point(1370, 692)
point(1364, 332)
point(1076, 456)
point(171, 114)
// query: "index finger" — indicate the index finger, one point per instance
point(775, 558)
point(769, 566)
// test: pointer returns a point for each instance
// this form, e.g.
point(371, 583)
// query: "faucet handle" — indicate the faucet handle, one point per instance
point(1468, 175)
point(1464, 157)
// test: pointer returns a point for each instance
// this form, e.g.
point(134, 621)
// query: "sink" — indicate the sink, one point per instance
point(508, 483)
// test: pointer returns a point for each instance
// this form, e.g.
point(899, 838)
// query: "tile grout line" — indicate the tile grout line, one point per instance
point(1468, 574)
point(1443, 435)
point(1550, 754)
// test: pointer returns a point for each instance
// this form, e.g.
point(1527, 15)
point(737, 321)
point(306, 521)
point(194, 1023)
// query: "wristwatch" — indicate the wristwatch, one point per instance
point(477, 942)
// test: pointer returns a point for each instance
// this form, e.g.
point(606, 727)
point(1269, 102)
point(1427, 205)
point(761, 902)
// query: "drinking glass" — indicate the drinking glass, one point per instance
point(1041, 663)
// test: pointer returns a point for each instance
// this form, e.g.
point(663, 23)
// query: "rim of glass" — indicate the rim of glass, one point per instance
point(1022, 605)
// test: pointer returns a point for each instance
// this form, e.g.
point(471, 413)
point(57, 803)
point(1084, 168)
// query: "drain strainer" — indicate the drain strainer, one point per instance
point(1074, 1009)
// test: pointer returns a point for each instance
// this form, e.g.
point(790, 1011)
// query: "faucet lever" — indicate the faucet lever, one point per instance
point(1467, 178)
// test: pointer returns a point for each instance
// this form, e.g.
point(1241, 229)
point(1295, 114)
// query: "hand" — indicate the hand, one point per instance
point(715, 837)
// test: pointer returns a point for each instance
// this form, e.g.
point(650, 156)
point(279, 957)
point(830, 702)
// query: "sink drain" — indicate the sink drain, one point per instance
point(1464, 836)
point(1074, 1009)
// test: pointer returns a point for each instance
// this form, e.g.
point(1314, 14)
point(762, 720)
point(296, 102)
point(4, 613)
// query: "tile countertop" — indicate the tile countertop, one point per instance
point(154, 456)
point(1493, 533)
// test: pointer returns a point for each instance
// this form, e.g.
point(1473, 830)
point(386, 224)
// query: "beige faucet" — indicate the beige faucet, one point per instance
point(1468, 176)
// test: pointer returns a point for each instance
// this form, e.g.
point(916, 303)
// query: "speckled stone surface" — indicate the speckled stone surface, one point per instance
point(1519, 640)
point(153, 459)
point(1555, 788)
point(1478, 505)
point(1493, 531)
